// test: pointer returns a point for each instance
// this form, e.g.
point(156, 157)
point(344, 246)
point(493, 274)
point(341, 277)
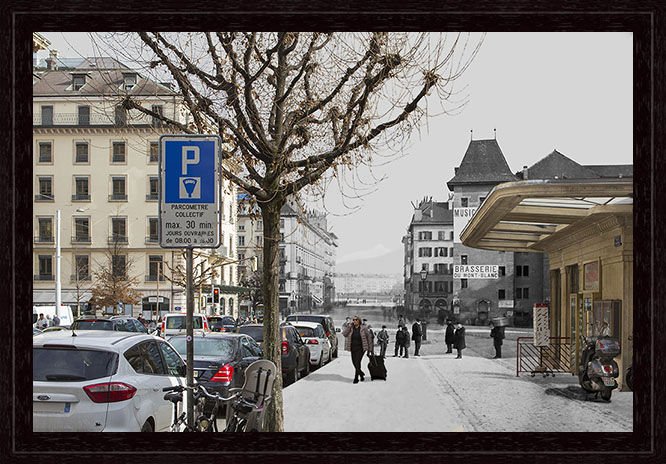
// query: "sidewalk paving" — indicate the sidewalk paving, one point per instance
point(438, 393)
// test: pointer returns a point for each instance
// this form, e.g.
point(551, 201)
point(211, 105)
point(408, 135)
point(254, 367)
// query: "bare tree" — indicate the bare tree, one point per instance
point(298, 110)
point(113, 282)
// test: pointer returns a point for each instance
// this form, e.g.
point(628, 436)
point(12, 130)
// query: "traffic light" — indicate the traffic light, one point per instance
point(216, 295)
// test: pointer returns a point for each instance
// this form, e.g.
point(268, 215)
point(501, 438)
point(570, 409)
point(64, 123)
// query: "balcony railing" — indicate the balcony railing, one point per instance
point(74, 119)
point(79, 278)
point(152, 197)
point(116, 238)
point(44, 277)
point(81, 239)
point(44, 197)
point(152, 239)
point(153, 278)
point(44, 239)
point(81, 197)
point(118, 197)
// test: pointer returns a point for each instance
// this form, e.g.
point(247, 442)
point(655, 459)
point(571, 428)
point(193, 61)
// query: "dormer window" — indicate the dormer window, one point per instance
point(129, 81)
point(78, 81)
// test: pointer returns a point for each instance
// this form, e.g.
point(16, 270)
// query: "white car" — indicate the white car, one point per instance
point(103, 381)
point(174, 324)
point(314, 336)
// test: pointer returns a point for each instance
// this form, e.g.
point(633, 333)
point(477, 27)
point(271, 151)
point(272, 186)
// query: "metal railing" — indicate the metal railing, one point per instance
point(152, 197)
point(44, 277)
point(116, 238)
point(79, 278)
point(118, 197)
point(80, 238)
point(44, 239)
point(546, 360)
point(152, 239)
point(80, 197)
point(76, 119)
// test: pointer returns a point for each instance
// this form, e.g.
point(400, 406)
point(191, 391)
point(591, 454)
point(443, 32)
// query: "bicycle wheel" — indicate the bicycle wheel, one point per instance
point(232, 425)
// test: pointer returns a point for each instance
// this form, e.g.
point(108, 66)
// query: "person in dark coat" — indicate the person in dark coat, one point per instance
point(449, 338)
point(497, 334)
point(405, 341)
point(399, 342)
point(357, 340)
point(459, 343)
point(417, 333)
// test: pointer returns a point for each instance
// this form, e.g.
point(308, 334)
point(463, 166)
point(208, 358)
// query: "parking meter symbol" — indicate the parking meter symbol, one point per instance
point(190, 187)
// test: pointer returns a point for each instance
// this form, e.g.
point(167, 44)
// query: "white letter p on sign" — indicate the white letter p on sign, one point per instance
point(185, 160)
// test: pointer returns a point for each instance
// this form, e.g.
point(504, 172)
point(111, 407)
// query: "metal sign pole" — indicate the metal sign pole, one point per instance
point(190, 340)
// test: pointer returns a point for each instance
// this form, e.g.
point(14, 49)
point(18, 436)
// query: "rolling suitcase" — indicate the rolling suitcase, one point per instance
point(377, 368)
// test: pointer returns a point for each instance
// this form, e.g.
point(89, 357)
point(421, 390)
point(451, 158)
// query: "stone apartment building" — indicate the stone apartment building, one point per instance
point(429, 258)
point(97, 164)
point(367, 288)
point(307, 256)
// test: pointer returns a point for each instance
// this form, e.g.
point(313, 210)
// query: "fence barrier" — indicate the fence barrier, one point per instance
point(546, 360)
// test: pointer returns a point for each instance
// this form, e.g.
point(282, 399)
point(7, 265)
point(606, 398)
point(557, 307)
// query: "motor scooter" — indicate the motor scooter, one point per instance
point(598, 370)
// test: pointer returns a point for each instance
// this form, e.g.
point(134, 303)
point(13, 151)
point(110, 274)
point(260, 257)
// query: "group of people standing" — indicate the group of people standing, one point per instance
point(402, 338)
point(454, 337)
point(44, 322)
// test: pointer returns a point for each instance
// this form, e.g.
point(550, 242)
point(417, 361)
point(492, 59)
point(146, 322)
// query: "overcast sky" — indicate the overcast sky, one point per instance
point(541, 91)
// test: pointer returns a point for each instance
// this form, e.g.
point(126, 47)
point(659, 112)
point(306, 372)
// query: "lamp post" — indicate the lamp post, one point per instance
point(424, 276)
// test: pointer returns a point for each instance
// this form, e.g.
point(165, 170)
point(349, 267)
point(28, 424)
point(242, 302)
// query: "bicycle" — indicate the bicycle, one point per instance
point(175, 395)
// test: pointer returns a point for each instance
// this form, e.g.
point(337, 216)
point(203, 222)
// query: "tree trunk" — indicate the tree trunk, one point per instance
point(270, 213)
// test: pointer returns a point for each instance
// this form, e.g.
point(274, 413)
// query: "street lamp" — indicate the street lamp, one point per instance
point(424, 276)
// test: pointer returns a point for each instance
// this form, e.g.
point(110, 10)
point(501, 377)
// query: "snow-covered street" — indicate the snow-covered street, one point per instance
point(438, 393)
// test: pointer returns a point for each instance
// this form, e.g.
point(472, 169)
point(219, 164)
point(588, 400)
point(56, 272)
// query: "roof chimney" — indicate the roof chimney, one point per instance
point(524, 172)
point(455, 170)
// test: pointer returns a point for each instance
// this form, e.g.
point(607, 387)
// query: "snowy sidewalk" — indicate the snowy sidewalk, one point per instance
point(438, 393)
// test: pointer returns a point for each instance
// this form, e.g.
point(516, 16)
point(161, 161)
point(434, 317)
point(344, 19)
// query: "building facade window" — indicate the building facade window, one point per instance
point(47, 115)
point(81, 189)
point(522, 271)
point(241, 240)
point(120, 116)
point(440, 287)
point(441, 251)
point(45, 152)
point(425, 235)
point(81, 230)
point(153, 189)
point(45, 267)
point(441, 268)
point(158, 109)
point(45, 188)
point(424, 267)
point(153, 230)
point(463, 283)
point(81, 154)
point(464, 202)
point(118, 153)
point(463, 259)
point(119, 265)
point(78, 81)
point(118, 230)
point(154, 152)
point(425, 252)
point(45, 229)
point(81, 267)
point(118, 191)
point(522, 293)
point(84, 115)
point(155, 267)
point(501, 294)
point(501, 270)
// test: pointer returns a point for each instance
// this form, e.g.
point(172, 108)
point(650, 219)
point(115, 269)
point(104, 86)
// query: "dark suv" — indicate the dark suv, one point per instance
point(325, 321)
point(222, 324)
point(121, 324)
point(295, 353)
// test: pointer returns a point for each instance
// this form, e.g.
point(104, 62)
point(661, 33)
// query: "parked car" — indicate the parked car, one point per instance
point(222, 324)
point(103, 381)
point(220, 359)
point(117, 323)
point(295, 353)
point(314, 336)
point(174, 324)
point(36, 331)
point(327, 323)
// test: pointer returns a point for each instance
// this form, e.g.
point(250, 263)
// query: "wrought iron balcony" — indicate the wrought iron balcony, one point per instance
point(152, 197)
point(79, 277)
point(117, 238)
point(44, 239)
point(153, 278)
point(81, 239)
point(81, 197)
point(95, 119)
point(44, 277)
point(44, 197)
point(152, 239)
point(118, 197)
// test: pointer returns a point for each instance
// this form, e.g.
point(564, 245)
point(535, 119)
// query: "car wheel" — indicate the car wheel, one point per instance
point(330, 355)
point(147, 427)
point(335, 352)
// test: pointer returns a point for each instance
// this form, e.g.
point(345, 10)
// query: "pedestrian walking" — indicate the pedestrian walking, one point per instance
point(372, 335)
point(401, 321)
point(497, 334)
point(357, 340)
point(56, 320)
point(41, 322)
point(398, 342)
point(417, 334)
point(405, 341)
point(383, 339)
point(459, 343)
point(449, 337)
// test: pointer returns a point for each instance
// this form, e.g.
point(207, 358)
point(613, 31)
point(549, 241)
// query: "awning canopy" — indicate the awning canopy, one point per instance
point(532, 215)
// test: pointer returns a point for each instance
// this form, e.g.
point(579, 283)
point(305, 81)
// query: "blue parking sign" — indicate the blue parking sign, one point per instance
point(189, 191)
point(189, 171)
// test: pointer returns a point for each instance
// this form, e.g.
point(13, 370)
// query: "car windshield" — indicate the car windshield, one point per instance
point(306, 332)
point(256, 332)
point(206, 346)
point(178, 322)
point(92, 325)
point(71, 365)
point(228, 320)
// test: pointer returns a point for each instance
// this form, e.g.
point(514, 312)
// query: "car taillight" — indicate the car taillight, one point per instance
point(313, 342)
point(285, 347)
point(224, 374)
point(111, 392)
point(205, 325)
point(328, 334)
point(608, 369)
point(163, 328)
point(601, 345)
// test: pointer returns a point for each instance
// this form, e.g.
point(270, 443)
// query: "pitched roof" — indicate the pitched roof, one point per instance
point(483, 163)
point(555, 165)
point(434, 212)
point(612, 170)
